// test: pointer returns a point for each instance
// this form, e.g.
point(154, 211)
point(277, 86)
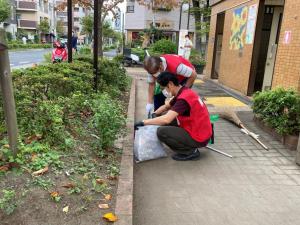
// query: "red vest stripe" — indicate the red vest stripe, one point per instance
point(173, 61)
point(198, 123)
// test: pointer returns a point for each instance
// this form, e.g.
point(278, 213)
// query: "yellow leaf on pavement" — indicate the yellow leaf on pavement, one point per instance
point(66, 209)
point(110, 217)
point(54, 194)
point(103, 206)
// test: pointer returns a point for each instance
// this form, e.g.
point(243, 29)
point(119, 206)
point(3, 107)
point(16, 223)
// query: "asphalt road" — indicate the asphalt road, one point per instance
point(25, 58)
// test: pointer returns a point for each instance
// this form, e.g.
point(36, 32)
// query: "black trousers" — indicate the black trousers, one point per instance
point(178, 139)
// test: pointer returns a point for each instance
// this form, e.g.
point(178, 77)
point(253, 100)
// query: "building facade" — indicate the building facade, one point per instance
point(139, 17)
point(29, 13)
point(254, 45)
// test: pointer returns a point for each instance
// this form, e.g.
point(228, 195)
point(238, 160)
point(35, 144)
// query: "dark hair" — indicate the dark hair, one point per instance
point(187, 36)
point(152, 64)
point(165, 77)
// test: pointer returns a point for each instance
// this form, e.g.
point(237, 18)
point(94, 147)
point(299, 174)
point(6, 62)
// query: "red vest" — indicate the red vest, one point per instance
point(198, 123)
point(173, 61)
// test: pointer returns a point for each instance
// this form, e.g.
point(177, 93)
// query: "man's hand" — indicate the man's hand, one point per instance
point(138, 124)
point(149, 109)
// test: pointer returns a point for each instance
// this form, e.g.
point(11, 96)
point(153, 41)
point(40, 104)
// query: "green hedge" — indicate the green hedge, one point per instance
point(280, 109)
point(57, 106)
point(28, 46)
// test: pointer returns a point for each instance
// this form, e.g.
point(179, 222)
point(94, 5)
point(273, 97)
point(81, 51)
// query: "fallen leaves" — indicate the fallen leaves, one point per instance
point(32, 138)
point(4, 168)
point(8, 166)
point(40, 172)
point(55, 196)
point(66, 209)
point(108, 197)
point(100, 181)
point(110, 217)
point(103, 206)
point(68, 185)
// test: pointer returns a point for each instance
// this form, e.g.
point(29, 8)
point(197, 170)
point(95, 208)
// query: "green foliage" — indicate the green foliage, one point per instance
point(104, 112)
point(21, 33)
point(60, 28)
point(85, 50)
point(8, 201)
point(4, 10)
point(9, 36)
point(44, 26)
point(280, 109)
point(56, 102)
point(196, 58)
point(164, 47)
point(47, 57)
point(87, 23)
point(28, 46)
point(43, 183)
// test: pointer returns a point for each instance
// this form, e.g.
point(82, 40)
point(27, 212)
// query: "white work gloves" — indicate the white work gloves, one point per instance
point(149, 109)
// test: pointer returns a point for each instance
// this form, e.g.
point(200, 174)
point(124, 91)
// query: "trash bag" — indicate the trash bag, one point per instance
point(146, 144)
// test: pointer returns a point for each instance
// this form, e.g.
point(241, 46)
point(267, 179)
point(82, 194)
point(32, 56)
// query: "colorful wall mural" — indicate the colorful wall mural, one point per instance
point(238, 28)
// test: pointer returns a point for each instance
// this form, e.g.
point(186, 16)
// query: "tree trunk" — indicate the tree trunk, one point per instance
point(197, 15)
point(100, 36)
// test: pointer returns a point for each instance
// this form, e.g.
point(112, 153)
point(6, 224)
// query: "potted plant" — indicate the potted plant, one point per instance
point(198, 61)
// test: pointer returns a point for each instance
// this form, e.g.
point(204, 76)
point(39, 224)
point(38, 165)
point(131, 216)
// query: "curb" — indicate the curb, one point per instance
point(124, 198)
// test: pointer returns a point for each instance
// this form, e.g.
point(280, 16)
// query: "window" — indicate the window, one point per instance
point(76, 19)
point(130, 9)
point(76, 9)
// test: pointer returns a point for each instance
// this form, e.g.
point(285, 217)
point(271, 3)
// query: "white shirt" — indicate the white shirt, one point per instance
point(189, 43)
point(182, 70)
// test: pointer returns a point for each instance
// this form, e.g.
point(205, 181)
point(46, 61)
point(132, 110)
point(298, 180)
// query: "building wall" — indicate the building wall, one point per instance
point(235, 64)
point(141, 17)
point(287, 66)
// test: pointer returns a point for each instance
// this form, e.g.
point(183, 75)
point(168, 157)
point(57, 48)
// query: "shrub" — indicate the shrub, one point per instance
point(164, 47)
point(196, 58)
point(107, 120)
point(28, 46)
point(280, 109)
point(85, 50)
point(9, 36)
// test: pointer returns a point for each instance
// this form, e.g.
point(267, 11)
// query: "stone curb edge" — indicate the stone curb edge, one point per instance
point(124, 198)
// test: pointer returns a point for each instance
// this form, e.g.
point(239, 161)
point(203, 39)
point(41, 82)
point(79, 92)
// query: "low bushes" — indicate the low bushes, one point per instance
point(280, 109)
point(164, 47)
point(28, 46)
point(57, 106)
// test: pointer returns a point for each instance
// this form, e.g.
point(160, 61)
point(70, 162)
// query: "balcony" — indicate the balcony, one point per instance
point(62, 14)
point(27, 24)
point(26, 6)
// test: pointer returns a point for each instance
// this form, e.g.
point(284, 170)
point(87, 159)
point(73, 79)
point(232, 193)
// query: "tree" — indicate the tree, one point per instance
point(105, 7)
point(87, 23)
point(60, 28)
point(44, 26)
point(4, 10)
point(201, 12)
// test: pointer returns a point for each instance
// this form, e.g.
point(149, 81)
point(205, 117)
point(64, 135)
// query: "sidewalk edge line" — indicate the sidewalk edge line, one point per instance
point(124, 198)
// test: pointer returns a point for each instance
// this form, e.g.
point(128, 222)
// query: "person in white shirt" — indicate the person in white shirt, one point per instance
point(188, 44)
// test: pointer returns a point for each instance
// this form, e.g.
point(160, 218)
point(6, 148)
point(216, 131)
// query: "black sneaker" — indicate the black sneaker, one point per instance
point(181, 157)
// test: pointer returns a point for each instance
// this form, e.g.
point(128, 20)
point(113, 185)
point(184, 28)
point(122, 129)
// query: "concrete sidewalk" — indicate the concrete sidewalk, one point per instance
point(256, 187)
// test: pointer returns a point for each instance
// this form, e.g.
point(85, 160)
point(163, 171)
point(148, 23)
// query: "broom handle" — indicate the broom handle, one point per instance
point(254, 137)
point(218, 151)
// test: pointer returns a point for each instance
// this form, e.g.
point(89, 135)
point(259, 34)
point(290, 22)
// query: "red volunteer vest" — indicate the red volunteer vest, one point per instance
point(198, 123)
point(173, 61)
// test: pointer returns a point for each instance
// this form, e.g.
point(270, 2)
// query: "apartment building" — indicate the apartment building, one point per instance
point(254, 45)
point(78, 12)
point(29, 13)
point(139, 17)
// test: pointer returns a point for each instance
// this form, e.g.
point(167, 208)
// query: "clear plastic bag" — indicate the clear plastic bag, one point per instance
point(146, 144)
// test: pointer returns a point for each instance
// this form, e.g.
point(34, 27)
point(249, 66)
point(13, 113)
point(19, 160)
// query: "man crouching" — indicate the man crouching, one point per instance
point(193, 129)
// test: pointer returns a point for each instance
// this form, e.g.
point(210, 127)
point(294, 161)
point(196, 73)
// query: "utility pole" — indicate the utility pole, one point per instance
point(96, 37)
point(70, 23)
point(8, 96)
